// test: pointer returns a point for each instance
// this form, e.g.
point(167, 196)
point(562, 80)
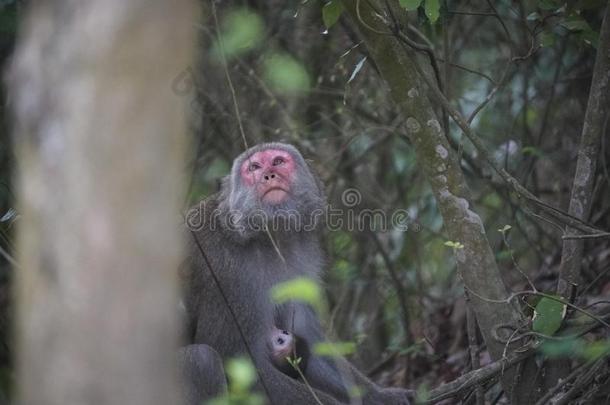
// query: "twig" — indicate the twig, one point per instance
point(541, 294)
point(582, 381)
point(588, 236)
point(228, 76)
point(476, 377)
point(553, 391)
point(486, 154)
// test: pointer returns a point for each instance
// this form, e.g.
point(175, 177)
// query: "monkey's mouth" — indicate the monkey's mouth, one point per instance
point(275, 195)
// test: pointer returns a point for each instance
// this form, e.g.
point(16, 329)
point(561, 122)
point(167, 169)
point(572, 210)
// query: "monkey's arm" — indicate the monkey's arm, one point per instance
point(201, 373)
point(286, 390)
point(203, 378)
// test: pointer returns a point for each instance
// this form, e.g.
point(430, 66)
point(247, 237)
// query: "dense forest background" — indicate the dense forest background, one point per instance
point(518, 72)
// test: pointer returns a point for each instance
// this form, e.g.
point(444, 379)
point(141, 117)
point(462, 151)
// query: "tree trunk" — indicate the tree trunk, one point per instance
point(586, 165)
point(475, 260)
point(100, 139)
point(581, 196)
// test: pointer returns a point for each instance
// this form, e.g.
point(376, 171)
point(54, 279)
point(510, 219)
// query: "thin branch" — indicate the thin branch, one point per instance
point(588, 236)
point(400, 289)
point(562, 383)
point(487, 155)
point(476, 377)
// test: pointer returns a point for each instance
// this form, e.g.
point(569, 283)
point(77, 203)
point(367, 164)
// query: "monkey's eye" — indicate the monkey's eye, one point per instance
point(253, 167)
point(278, 161)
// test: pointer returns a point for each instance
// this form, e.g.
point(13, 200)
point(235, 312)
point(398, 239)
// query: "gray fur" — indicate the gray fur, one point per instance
point(247, 266)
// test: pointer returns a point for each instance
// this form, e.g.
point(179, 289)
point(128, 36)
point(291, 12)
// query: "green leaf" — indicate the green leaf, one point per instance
point(455, 245)
point(548, 4)
point(596, 350)
point(241, 374)
point(547, 38)
point(548, 316)
point(575, 23)
point(242, 30)
point(504, 228)
point(410, 4)
point(589, 37)
point(298, 289)
point(563, 348)
point(422, 394)
point(335, 349)
point(432, 8)
point(532, 150)
point(331, 12)
point(285, 74)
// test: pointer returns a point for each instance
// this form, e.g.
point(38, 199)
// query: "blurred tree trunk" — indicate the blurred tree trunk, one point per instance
point(475, 260)
point(581, 197)
point(100, 139)
point(586, 165)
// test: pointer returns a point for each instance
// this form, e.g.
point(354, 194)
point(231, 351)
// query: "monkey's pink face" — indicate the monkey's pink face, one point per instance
point(270, 173)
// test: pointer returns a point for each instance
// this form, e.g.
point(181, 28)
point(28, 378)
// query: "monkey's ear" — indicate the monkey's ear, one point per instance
point(224, 183)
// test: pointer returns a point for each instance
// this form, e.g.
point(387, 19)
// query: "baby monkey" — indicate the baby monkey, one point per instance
point(288, 352)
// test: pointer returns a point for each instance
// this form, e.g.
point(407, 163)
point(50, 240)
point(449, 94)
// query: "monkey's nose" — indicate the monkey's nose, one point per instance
point(269, 176)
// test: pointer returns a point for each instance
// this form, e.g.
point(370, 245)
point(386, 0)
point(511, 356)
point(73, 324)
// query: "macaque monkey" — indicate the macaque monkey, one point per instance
point(261, 229)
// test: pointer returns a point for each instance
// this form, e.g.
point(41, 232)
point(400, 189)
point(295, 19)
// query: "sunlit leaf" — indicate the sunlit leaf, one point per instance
point(241, 374)
point(410, 4)
point(331, 12)
point(492, 200)
point(298, 289)
point(548, 316)
point(285, 74)
point(355, 391)
point(432, 8)
point(504, 228)
point(595, 350)
point(242, 30)
point(455, 245)
point(334, 349)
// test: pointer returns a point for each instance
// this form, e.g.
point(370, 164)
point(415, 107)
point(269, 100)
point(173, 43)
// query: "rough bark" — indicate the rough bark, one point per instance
point(100, 139)
point(586, 165)
point(475, 261)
